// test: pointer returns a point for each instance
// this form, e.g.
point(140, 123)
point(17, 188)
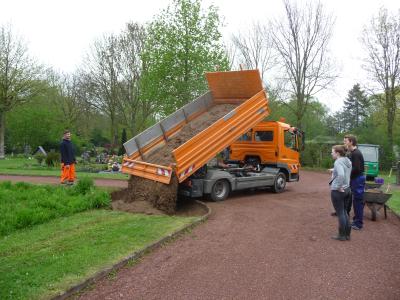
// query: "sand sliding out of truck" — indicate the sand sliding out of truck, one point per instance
point(231, 114)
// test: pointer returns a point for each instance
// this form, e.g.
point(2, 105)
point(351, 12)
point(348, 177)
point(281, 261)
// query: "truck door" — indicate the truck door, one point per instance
point(289, 156)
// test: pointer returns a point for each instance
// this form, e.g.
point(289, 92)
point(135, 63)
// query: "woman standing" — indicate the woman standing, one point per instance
point(340, 190)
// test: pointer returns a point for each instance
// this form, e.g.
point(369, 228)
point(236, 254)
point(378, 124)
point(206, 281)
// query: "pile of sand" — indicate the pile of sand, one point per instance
point(147, 196)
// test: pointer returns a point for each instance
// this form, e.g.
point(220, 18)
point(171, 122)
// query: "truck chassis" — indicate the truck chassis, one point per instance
point(216, 184)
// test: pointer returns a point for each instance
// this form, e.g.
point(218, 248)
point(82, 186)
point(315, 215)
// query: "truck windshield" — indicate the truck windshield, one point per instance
point(370, 153)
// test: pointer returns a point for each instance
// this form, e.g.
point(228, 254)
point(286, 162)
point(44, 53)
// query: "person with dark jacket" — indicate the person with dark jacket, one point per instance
point(340, 190)
point(68, 160)
point(357, 180)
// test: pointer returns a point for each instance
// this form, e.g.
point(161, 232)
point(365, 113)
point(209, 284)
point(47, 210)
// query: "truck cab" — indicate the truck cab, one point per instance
point(271, 144)
point(371, 159)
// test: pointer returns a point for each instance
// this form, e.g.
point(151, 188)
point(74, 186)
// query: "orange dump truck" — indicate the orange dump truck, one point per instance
point(271, 144)
point(241, 89)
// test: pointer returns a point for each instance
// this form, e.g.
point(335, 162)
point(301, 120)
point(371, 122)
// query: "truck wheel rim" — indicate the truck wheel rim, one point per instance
point(280, 182)
point(219, 189)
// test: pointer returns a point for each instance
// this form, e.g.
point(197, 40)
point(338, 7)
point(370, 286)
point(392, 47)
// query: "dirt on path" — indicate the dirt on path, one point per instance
point(261, 245)
point(117, 183)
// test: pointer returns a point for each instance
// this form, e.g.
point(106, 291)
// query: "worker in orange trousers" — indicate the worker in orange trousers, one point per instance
point(68, 160)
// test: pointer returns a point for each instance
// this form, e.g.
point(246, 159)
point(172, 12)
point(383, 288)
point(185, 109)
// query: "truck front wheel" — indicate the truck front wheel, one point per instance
point(280, 183)
point(220, 190)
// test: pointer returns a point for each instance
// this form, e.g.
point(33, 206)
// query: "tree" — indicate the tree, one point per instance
point(254, 49)
point(121, 150)
point(231, 54)
point(133, 108)
point(68, 99)
point(356, 107)
point(19, 77)
point(100, 76)
point(381, 40)
point(301, 41)
point(183, 42)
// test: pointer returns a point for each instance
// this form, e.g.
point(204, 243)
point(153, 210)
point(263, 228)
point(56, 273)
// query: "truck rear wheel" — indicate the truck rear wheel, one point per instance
point(220, 190)
point(280, 183)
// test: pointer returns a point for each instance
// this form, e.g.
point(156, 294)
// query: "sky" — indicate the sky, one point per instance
point(60, 32)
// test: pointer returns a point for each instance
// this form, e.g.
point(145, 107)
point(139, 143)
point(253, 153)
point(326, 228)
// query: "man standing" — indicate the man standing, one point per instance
point(67, 159)
point(357, 180)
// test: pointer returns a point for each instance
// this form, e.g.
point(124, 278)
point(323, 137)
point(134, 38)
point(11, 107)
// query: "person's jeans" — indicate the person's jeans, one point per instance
point(357, 188)
point(339, 201)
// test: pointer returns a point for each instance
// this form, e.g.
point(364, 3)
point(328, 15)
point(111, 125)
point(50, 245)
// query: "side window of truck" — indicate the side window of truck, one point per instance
point(264, 136)
point(245, 137)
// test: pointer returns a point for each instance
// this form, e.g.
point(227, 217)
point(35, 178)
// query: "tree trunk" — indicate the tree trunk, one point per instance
point(2, 131)
point(112, 136)
point(390, 121)
point(391, 114)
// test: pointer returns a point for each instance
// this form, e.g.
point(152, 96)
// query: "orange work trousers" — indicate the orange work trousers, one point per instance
point(67, 173)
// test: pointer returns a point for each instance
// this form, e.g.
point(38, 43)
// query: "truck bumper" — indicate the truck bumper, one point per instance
point(294, 177)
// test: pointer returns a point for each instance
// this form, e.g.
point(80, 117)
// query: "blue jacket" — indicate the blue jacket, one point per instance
point(67, 152)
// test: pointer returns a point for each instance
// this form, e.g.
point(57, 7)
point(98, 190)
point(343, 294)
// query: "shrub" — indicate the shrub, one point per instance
point(52, 159)
point(40, 157)
point(84, 185)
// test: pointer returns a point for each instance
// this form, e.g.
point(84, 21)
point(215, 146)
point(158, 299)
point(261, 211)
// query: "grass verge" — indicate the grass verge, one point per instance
point(394, 202)
point(47, 259)
point(23, 204)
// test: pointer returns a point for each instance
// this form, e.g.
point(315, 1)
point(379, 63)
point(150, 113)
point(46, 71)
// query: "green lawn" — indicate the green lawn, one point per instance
point(23, 204)
point(24, 166)
point(47, 259)
point(394, 202)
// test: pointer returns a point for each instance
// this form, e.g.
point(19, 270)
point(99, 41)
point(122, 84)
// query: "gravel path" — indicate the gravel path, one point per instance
point(268, 246)
point(56, 180)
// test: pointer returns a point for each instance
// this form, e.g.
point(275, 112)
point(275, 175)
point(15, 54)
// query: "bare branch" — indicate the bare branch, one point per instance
point(254, 49)
point(301, 41)
point(381, 40)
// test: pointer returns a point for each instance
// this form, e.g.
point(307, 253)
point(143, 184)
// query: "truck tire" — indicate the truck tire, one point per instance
point(280, 183)
point(220, 190)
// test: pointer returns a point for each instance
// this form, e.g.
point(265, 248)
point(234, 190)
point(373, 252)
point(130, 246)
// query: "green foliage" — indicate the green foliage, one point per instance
point(46, 131)
point(97, 138)
point(374, 131)
point(356, 107)
point(317, 153)
point(40, 157)
point(84, 185)
point(394, 202)
point(52, 159)
point(183, 42)
point(121, 150)
point(24, 205)
point(43, 261)
point(314, 120)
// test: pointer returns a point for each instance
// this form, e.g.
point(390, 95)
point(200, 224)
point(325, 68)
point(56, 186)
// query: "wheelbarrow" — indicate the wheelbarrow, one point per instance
point(375, 200)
